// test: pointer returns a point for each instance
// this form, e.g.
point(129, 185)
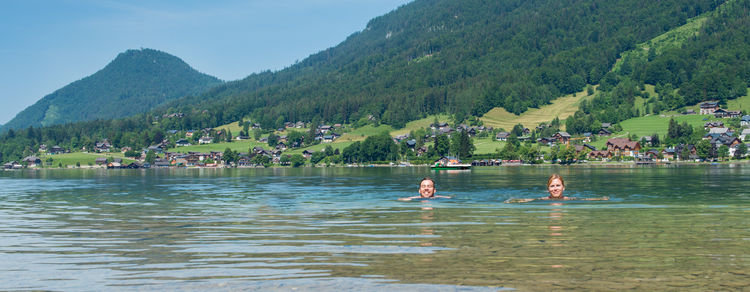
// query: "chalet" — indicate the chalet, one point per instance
point(436, 126)
point(745, 135)
point(241, 137)
point(604, 132)
point(502, 136)
point(421, 150)
point(299, 125)
point(337, 126)
point(255, 126)
point(745, 121)
point(161, 163)
point(725, 140)
point(103, 146)
point(600, 154)
point(288, 125)
point(284, 139)
point(327, 138)
point(712, 124)
point(652, 153)
point(56, 150)
point(411, 143)
point(581, 148)
point(43, 148)
point(101, 161)
point(709, 107)
point(258, 150)
point(682, 149)
point(12, 165)
point(722, 113)
point(158, 149)
point(205, 140)
point(562, 137)
point(400, 138)
point(623, 146)
point(172, 132)
point(182, 143)
point(307, 154)
point(281, 146)
point(32, 161)
point(668, 153)
point(325, 128)
point(606, 125)
point(587, 137)
point(721, 131)
point(549, 141)
point(126, 149)
point(689, 112)
point(189, 134)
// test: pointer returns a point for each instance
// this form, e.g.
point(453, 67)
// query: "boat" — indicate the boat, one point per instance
point(447, 163)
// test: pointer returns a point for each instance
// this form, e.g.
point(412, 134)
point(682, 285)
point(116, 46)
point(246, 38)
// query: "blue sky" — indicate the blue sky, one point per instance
point(46, 45)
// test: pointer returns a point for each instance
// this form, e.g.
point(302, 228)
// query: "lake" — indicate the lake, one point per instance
point(334, 229)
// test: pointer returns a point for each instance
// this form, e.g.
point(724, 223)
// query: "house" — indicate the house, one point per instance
point(549, 141)
point(604, 132)
point(307, 154)
point(182, 143)
point(158, 149)
point(600, 154)
point(709, 107)
point(587, 137)
point(668, 153)
point(325, 128)
point(745, 134)
point(281, 146)
point(205, 140)
point(562, 137)
point(682, 149)
point(12, 165)
point(606, 125)
point(103, 146)
point(43, 148)
point(623, 146)
point(722, 113)
point(32, 161)
point(189, 134)
point(56, 150)
point(712, 124)
point(101, 161)
point(745, 121)
point(411, 143)
point(502, 136)
point(720, 131)
point(689, 112)
point(327, 138)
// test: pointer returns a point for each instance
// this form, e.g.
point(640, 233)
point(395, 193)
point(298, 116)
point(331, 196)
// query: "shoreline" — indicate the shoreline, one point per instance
point(586, 164)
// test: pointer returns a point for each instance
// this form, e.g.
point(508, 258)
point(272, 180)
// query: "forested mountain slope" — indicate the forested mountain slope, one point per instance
point(135, 82)
point(462, 57)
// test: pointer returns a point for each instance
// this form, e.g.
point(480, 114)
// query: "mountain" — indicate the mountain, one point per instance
point(444, 56)
point(136, 81)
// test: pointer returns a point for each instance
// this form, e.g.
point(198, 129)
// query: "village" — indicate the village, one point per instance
point(724, 141)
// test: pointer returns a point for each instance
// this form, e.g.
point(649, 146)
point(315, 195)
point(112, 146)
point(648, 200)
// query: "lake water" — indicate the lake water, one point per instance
point(334, 229)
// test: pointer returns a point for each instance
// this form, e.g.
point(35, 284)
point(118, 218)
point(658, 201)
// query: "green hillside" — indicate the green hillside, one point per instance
point(135, 82)
point(443, 56)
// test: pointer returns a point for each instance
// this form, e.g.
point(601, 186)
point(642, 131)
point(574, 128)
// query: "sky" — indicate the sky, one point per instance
point(45, 45)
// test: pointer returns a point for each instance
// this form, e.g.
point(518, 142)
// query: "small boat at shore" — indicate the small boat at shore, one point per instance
point(447, 163)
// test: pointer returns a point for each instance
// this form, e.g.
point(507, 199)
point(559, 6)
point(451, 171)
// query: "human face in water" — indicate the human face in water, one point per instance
point(427, 188)
point(556, 188)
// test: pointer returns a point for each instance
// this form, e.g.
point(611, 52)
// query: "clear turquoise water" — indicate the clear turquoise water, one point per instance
point(675, 228)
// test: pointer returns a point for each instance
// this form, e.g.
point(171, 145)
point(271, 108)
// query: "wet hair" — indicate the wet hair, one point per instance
point(553, 177)
point(427, 178)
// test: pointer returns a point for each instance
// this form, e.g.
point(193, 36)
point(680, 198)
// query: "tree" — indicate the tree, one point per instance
point(723, 152)
point(703, 149)
point(150, 156)
point(740, 151)
point(229, 135)
point(461, 145)
point(273, 139)
point(297, 160)
point(230, 156)
point(442, 145)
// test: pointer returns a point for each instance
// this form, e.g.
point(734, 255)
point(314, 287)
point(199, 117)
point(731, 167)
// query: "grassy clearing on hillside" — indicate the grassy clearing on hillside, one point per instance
point(487, 145)
point(648, 125)
point(740, 104)
point(83, 158)
point(362, 133)
point(320, 147)
point(237, 146)
point(421, 123)
point(561, 108)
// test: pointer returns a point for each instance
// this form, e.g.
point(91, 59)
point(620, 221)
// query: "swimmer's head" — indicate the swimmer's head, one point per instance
point(427, 187)
point(555, 186)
